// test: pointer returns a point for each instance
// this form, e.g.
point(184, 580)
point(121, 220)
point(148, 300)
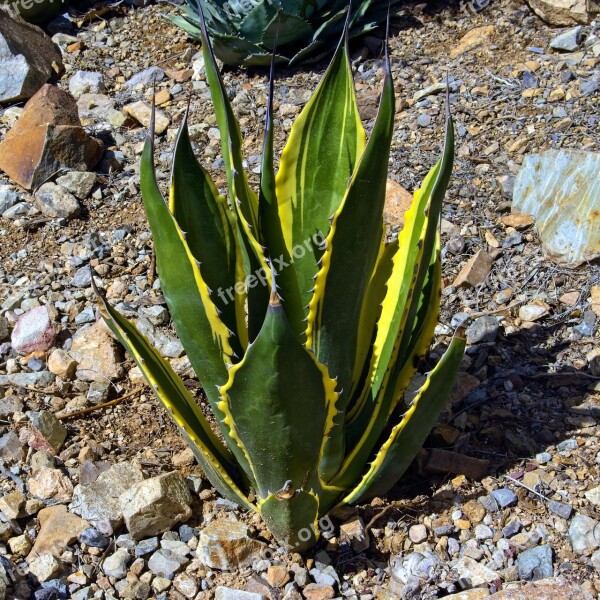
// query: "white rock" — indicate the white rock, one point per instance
point(45, 567)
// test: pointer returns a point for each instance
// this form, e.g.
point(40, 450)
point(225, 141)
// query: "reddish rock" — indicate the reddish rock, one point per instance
point(33, 332)
point(545, 589)
point(475, 271)
point(48, 137)
point(397, 202)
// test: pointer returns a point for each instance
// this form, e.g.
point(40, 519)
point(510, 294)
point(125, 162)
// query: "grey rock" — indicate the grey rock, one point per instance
point(587, 326)
point(100, 500)
point(146, 546)
point(584, 533)
point(176, 546)
point(18, 210)
point(423, 120)
point(82, 277)
point(570, 444)
point(83, 594)
point(33, 332)
point(157, 315)
point(227, 593)
point(558, 188)
point(86, 82)
point(115, 565)
point(27, 55)
point(165, 563)
point(145, 78)
point(78, 183)
point(40, 378)
point(543, 457)
point(504, 497)
point(88, 315)
point(55, 202)
point(165, 344)
point(410, 573)
point(11, 448)
point(92, 537)
point(8, 198)
point(155, 505)
point(483, 329)
point(483, 532)
point(561, 509)
point(10, 405)
point(568, 40)
point(536, 563)
point(511, 528)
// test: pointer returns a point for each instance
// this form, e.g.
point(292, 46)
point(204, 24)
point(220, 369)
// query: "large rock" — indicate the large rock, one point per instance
point(97, 354)
point(99, 501)
point(560, 189)
point(28, 58)
point(153, 506)
point(553, 588)
point(224, 544)
point(58, 530)
point(33, 332)
point(47, 138)
point(564, 12)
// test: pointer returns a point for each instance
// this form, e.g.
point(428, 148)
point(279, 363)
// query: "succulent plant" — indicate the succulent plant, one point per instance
point(303, 325)
point(244, 32)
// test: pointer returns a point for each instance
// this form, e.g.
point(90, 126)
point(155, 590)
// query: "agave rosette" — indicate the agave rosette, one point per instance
point(303, 325)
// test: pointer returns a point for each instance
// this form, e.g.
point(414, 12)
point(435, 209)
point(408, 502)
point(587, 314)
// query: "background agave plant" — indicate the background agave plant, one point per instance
point(303, 325)
point(244, 32)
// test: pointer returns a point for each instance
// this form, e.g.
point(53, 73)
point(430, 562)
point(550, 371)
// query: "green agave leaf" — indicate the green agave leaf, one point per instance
point(199, 327)
point(293, 520)
point(285, 29)
point(324, 146)
point(256, 21)
point(334, 314)
point(211, 234)
point(266, 409)
point(214, 458)
point(242, 198)
point(409, 435)
point(270, 228)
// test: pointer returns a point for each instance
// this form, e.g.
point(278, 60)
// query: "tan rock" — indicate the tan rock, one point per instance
point(47, 138)
point(97, 354)
point(45, 567)
point(224, 544)
point(475, 271)
point(277, 575)
point(564, 12)
point(61, 364)
point(442, 462)
point(185, 458)
point(142, 112)
point(397, 202)
point(153, 506)
point(58, 529)
point(12, 504)
point(355, 532)
point(474, 594)
point(473, 39)
point(595, 299)
point(518, 221)
point(51, 484)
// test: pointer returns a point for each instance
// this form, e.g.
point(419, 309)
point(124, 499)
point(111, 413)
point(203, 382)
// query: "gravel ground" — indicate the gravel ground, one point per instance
point(505, 490)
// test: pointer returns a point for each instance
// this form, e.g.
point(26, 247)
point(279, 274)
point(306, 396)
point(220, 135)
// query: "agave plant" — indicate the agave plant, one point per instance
point(303, 326)
point(244, 32)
